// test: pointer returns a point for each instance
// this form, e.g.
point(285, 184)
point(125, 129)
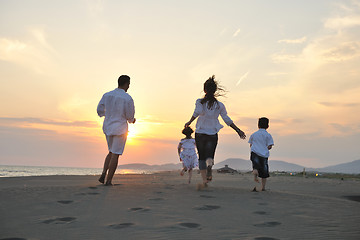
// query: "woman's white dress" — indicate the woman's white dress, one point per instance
point(188, 153)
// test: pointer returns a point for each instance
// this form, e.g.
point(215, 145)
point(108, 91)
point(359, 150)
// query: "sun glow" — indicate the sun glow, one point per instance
point(132, 134)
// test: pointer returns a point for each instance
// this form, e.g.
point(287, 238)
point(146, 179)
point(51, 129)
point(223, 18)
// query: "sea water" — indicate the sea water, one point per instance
point(25, 171)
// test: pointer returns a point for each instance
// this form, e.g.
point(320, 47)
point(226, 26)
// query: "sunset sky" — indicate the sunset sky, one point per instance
point(295, 62)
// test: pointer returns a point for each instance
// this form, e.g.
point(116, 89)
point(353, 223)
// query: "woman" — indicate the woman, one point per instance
point(208, 110)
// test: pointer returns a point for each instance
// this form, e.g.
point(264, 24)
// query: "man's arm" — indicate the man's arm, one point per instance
point(101, 108)
point(130, 111)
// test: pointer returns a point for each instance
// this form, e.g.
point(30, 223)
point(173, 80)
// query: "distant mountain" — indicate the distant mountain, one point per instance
point(245, 165)
point(350, 168)
point(142, 166)
point(235, 163)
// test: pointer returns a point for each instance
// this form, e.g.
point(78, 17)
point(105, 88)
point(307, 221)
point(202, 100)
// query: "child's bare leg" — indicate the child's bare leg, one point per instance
point(190, 174)
point(256, 174)
point(263, 183)
point(183, 171)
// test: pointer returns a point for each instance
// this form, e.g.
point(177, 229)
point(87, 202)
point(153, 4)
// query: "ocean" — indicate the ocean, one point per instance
point(26, 171)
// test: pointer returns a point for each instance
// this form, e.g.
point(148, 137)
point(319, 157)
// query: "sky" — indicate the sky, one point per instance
point(295, 62)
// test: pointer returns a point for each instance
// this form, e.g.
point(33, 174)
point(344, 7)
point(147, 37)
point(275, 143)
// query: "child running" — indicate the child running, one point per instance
point(260, 143)
point(187, 153)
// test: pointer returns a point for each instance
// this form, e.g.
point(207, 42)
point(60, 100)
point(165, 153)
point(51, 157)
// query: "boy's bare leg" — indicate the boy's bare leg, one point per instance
point(256, 174)
point(263, 183)
point(112, 168)
point(105, 168)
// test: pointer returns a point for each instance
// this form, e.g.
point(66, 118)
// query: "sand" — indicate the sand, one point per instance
point(164, 206)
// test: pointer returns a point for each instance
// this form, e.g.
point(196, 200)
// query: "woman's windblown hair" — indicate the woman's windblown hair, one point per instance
point(212, 90)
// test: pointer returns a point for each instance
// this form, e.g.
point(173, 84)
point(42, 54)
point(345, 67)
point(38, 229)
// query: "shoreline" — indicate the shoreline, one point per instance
point(163, 206)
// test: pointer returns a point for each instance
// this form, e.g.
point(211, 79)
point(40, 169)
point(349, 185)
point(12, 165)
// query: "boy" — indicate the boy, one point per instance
point(260, 143)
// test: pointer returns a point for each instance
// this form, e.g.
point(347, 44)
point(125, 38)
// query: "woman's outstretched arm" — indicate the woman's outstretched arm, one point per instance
point(241, 133)
point(189, 122)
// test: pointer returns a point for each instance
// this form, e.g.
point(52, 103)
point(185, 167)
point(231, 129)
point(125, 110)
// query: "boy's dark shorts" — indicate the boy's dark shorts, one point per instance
point(260, 164)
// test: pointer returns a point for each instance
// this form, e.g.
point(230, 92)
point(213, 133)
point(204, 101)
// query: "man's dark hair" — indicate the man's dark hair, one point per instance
point(123, 79)
point(263, 123)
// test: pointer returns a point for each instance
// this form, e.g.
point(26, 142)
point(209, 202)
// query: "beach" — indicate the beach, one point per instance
point(164, 206)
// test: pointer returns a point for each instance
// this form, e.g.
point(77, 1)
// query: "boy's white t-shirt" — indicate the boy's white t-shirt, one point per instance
point(260, 140)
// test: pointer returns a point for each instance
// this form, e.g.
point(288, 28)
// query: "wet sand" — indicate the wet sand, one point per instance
point(164, 206)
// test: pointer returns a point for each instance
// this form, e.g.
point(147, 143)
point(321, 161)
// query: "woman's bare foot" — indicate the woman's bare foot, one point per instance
point(209, 173)
point(201, 186)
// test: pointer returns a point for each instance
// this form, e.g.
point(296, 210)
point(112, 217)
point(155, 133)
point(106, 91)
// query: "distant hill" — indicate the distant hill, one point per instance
point(142, 166)
point(350, 168)
point(245, 165)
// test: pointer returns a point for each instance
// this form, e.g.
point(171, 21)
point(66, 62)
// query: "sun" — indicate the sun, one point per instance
point(131, 133)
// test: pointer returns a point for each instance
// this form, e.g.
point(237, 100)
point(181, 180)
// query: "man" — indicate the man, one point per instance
point(118, 108)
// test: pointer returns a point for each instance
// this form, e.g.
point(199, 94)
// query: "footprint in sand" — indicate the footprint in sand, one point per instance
point(139, 209)
point(263, 204)
point(93, 193)
point(156, 199)
point(206, 196)
point(189, 225)
point(65, 201)
point(89, 193)
point(93, 187)
point(13, 239)
point(121, 225)
point(260, 212)
point(353, 198)
point(265, 238)
point(60, 220)
point(267, 224)
point(207, 207)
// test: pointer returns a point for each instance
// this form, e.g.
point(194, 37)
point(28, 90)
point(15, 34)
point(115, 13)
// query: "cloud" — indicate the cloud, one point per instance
point(236, 32)
point(343, 52)
point(285, 58)
point(336, 104)
point(242, 78)
point(34, 53)
point(293, 41)
point(276, 74)
point(342, 22)
point(348, 17)
point(86, 124)
point(10, 48)
point(95, 7)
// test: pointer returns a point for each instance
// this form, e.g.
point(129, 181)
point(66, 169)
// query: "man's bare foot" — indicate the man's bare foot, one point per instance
point(102, 178)
point(108, 184)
